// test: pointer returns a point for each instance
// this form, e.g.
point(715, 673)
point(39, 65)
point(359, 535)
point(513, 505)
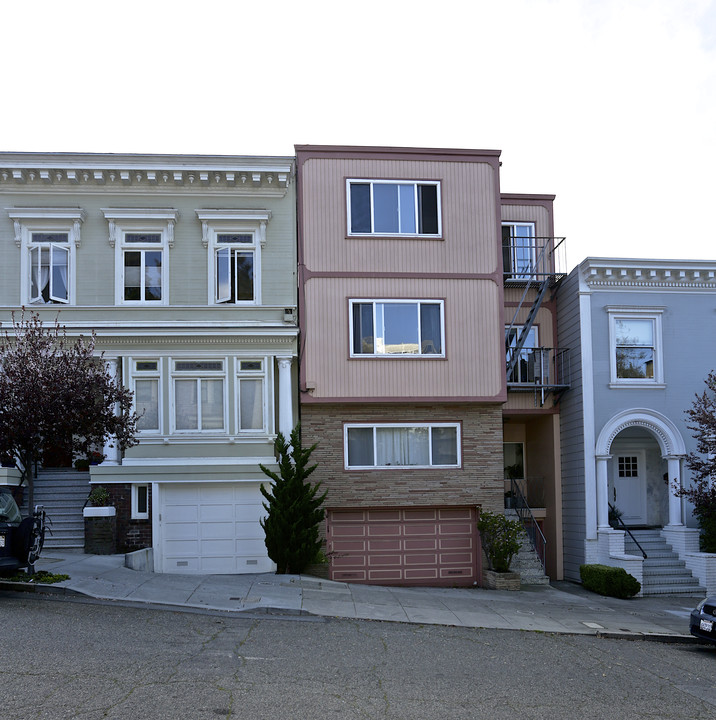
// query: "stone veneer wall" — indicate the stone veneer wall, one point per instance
point(131, 534)
point(478, 482)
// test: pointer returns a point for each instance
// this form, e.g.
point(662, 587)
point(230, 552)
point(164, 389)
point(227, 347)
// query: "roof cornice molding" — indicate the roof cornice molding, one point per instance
point(643, 274)
point(69, 170)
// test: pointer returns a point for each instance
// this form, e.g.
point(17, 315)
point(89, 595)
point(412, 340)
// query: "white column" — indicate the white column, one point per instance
point(603, 491)
point(674, 478)
point(285, 396)
point(111, 448)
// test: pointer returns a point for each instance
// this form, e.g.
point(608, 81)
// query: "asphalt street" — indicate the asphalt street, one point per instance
point(71, 657)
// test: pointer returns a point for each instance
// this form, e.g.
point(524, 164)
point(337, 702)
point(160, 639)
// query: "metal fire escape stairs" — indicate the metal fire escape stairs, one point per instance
point(531, 276)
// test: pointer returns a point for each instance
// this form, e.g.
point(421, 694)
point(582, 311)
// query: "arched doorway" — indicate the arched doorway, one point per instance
point(638, 458)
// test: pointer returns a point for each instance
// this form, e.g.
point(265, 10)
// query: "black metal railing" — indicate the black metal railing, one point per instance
point(615, 516)
point(533, 259)
point(541, 367)
point(529, 523)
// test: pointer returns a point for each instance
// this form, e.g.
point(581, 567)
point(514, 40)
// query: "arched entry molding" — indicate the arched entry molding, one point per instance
point(671, 444)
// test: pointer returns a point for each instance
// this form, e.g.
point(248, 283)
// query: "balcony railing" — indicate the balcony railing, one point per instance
point(534, 259)
point(539, 368)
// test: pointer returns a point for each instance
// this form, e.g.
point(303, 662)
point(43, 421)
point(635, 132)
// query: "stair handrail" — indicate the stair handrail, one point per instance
point(529, 523)
point(619, 520)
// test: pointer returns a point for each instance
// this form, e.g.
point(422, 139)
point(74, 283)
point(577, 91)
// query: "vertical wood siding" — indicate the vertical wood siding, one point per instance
point(469, 221)
point(473, 341)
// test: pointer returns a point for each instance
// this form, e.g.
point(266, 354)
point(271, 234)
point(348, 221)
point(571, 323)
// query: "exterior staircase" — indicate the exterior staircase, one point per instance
point(63, 493)
point(526, 562)
point(663, 572)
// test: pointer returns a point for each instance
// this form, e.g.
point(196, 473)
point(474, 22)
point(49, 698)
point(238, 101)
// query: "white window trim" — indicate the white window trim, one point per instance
point(135, 375)
point(140, 220)
point(46, 220)
point(198, 375)
point(636, 313)
point(532, 249)
point(266, 376)
point(135, 514)
point(371, 182)
point(394, 356)
point(374, 426)
point(233, 221)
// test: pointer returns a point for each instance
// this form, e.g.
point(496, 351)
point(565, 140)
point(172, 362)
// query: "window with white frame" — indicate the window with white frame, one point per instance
point(251, 402)
point(394, 208)
point(146, 381)
point(518, 249)
point(142, 238)
point(526, 369)
point(234, 239)
point(397, 328)
point(635, 347)
point(48, 239)
point(140, 502)
point(393, 445)
point(198, 395)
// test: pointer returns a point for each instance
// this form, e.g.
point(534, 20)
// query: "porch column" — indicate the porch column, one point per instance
point(674, 478)
point(603, 491)
point(285, 396)
point(111, 447)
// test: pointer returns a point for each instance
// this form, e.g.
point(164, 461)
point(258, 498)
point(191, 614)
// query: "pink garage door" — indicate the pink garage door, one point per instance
point(417, 546)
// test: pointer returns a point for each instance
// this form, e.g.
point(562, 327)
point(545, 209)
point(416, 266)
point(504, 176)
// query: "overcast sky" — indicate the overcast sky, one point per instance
point(609, 104)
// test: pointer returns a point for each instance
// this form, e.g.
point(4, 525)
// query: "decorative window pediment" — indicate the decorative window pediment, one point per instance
point(39, 217)
point(141, 218)
point(237, 219)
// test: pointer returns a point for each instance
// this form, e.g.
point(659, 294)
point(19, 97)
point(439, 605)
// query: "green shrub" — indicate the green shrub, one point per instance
point(499, 539)
point(606, 580)
point(99, 496)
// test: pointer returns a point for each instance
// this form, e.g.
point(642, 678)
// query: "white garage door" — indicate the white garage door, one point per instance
point(212, 528)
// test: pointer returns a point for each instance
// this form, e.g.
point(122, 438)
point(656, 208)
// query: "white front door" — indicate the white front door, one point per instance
point(629, 490)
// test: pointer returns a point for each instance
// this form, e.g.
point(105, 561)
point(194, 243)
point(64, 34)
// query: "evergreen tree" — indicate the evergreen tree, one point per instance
point(702, 463)
point(293, 507)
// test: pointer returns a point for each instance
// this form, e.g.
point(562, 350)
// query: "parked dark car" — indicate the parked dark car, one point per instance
point(21, 539)
point(703, 620)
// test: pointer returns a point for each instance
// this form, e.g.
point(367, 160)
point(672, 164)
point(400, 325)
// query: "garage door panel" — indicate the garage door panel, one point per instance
point(212, 528)
point(408, 546)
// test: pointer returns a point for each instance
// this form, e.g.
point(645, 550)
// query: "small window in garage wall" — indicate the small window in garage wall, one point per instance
point(140, 502)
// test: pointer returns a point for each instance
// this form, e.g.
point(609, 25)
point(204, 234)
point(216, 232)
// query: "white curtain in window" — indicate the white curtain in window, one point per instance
point(185, 404)
point(251, 415)
point(212, 404)
point(146, 400)
point(402, 446)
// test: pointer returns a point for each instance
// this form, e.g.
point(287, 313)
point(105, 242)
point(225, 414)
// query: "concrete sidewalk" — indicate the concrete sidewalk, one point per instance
point(559, 608)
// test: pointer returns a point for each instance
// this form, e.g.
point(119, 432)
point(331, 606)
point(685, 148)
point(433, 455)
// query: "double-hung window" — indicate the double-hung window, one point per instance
point(142, 238)
point(146, 381)
point(397, 328)
point(48, 239)
point(251, 388)
point(142, 268)
point(635, 347)
point(198, 395)
point(394, 208)
point(518, 249)
point(393, 445)
point(234, 238)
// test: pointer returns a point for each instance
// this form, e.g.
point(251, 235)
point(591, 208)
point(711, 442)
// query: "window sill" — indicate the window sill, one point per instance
point(378, 236)
point(640, 385)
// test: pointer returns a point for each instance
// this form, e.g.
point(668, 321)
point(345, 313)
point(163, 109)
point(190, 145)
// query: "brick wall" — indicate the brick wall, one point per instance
point(131, 534)
point(478, 482)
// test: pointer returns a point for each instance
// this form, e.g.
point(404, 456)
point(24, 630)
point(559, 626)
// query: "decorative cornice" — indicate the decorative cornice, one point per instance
point(69, 170)
point(629, 274)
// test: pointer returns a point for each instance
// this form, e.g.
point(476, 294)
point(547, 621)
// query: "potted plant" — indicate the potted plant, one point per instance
point(500, 543)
